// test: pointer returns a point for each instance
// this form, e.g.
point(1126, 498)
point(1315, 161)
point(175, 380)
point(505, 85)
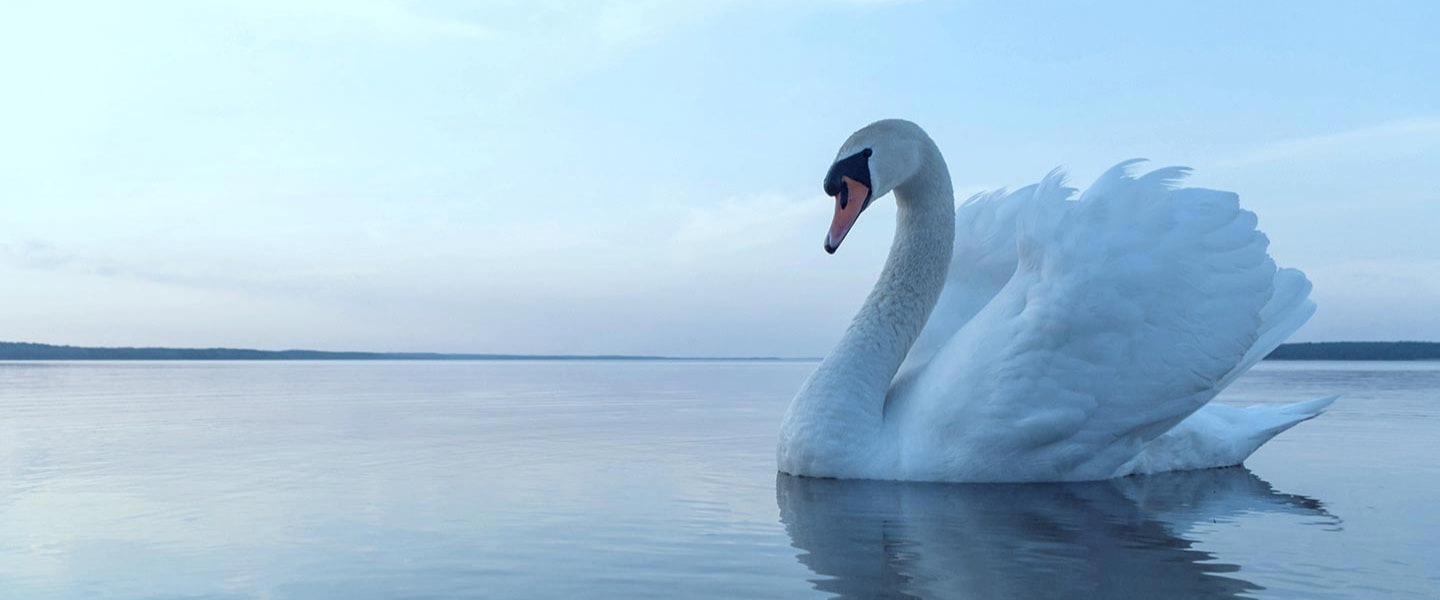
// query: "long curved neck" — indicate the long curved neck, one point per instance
point(845, 397)
point(897, 308)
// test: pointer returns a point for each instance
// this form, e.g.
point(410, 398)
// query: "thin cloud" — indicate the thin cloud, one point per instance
point(385, 19)
point(1354, 142)
point(1380, 278)
point(745, 223)
point(40, 255)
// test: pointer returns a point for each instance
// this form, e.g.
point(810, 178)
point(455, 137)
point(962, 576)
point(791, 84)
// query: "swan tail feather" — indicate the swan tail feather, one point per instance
point(1219, 435)
point(1266, 422)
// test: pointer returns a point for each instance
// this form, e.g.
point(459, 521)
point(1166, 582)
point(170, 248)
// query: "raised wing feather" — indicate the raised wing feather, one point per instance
point(982, 263)
point(1125, 311)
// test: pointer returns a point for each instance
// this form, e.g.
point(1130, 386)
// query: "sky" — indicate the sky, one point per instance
point(643, 176)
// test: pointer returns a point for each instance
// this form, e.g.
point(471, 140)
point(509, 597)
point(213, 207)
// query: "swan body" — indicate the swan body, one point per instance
point(1042, 335)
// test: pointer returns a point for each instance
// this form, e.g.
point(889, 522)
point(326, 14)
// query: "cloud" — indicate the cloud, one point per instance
point(1399, 134)
point(40, 255)
point(384, 19)
point(35, 254)
point(1371, 299)
point(1379, 279)
point(743, 224)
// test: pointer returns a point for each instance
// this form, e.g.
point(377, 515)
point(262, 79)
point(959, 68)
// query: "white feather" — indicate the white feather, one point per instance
point(1073, 339)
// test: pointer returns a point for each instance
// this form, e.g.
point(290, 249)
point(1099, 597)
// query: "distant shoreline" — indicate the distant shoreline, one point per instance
point(12, 351)
point(22, 351)
point(1357, 351)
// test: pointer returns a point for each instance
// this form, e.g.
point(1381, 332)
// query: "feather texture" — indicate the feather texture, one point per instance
point(1080, 337)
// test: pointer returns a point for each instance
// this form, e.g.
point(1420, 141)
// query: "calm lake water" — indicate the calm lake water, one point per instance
point(361, 480)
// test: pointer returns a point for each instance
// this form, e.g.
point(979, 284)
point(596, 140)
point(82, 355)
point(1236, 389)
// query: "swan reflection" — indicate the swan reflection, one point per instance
point(1122, 538)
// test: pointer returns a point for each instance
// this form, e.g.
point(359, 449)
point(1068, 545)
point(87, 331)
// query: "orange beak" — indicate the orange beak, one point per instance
point(848, 204)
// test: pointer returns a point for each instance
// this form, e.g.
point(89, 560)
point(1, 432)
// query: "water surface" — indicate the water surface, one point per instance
point(656, 480)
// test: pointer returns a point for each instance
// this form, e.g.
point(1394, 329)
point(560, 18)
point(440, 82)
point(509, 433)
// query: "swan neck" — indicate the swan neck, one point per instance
point(909, 285)
point(844, 400)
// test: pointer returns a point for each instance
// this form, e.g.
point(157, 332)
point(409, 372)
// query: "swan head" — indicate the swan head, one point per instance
point(873, 161)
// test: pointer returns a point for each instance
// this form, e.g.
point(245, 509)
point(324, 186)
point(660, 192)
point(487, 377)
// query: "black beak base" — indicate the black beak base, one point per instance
point(857, 167)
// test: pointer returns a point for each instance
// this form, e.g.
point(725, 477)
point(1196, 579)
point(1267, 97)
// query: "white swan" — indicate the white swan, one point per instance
point(1034, 337)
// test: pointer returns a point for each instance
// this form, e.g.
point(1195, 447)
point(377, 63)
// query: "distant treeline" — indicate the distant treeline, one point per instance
point(1357, 351)
point(27, 351)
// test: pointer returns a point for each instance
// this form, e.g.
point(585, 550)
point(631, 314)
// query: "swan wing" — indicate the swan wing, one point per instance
point(983, 261)
point(1126, 311)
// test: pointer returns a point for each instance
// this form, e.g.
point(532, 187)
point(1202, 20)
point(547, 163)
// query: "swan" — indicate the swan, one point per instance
point(1042, 336)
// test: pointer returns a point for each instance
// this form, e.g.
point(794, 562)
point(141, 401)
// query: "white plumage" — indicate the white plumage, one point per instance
point(1071, 337)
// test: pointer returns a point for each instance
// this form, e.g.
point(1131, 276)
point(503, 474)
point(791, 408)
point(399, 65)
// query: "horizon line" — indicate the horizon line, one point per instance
point(38, 349)
point(398, 355)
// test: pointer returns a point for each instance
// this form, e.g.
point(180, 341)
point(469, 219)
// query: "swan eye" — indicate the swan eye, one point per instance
point(867, 152)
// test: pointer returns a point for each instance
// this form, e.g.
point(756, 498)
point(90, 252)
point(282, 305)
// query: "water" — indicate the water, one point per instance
point(656, 480)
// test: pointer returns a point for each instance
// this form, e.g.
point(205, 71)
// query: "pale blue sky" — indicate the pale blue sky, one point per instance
point(632, 176)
